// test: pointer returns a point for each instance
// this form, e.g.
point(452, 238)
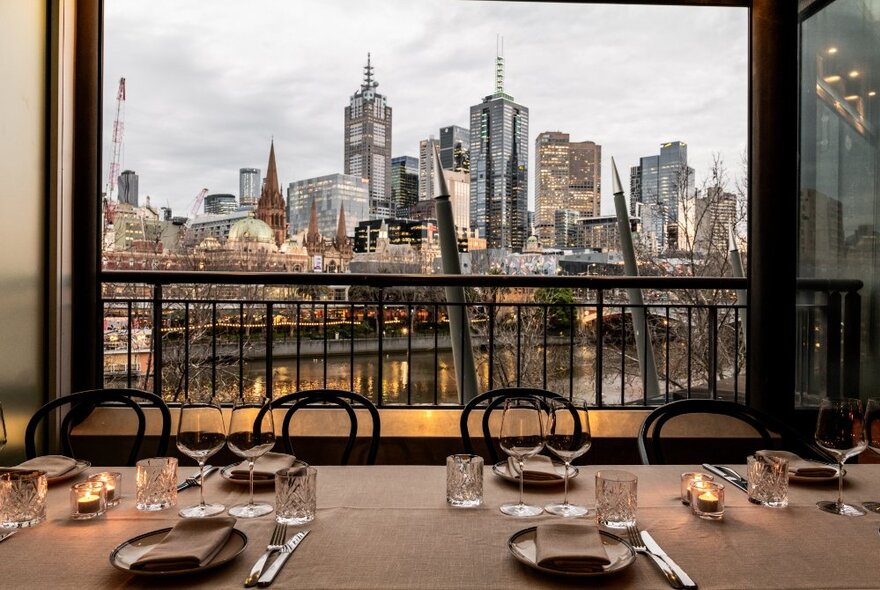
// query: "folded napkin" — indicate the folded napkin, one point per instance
point(801, 467)
point(570, 547)
point(264, 467)
point(192, 543)
point(53, 465)
point(537, 468)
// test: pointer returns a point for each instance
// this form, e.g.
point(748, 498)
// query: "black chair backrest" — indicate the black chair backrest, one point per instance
point(651, 450)
point(81, 406)
point(492, 400)
point(336, 397)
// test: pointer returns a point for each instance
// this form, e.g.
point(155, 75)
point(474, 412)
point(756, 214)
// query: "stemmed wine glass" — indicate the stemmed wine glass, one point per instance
point(840, 430)
point(522, 436)
point(201, 433)
point(872, 434)
point(251, 436)
point(568, 436)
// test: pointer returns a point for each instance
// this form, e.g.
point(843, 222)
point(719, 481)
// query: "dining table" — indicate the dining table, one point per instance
point(389, 526)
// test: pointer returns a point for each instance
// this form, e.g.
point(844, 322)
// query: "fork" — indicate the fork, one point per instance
point(276, 542)
point(193, 481)
point(635, 539)
point(5, 536)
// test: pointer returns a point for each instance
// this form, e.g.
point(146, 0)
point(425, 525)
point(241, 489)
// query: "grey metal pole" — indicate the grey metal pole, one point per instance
point(646, 353)
point(736, 269)
point(459, 325)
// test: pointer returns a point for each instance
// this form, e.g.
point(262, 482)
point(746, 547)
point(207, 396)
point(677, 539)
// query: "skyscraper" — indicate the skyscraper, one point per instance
point(220, 204)
point(368, 142)
point(248, 186)
point(128, 187)
point(404, 184)
point(327, 194)
point(663, 180)
point(270, 207)
point(455, 148)
point(499, 155)
point(426, 168)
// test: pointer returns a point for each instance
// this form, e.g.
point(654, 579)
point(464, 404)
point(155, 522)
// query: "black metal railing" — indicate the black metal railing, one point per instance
point(225, 333)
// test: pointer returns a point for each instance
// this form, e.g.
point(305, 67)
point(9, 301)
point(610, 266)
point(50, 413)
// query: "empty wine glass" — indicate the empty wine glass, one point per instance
point(568, 436)
point(840, 430)
point(522, 436)
point(251, 436)
point(2, 429)
point(872, 434)
point(201, 433)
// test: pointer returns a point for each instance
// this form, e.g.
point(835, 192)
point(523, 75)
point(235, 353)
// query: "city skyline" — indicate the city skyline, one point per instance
point(199, 108)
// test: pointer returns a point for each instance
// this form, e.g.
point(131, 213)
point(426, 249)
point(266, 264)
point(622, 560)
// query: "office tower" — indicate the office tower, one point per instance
point(566, 228)
point(568, 177)
point(635, 188)
point(220, 204)
point(704, 221)
point(368, 142)
point(455, 148)
point(128, 188)
point(499, 155)
point(664, 180)
point(248, 186)
point(404, 184)
point(328, 193)
point(426, 168)
point(270, 207)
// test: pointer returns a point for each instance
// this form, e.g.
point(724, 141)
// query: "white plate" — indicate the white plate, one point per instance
point(80, 467)
point(501, 470)
point(226, 473)
point(129, 552)
point(522, 545)
point(814, 479)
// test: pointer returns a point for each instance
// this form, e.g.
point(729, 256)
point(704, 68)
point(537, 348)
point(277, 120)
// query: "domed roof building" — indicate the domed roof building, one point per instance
point(251, 235)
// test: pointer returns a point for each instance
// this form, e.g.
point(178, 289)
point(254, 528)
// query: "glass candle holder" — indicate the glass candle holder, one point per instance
point(88, 500)
point(112, 486)
point(687, 478)
point(707, 499)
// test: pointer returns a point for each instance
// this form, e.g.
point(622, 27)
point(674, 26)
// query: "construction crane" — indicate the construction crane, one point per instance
point(113, 174)
point(198, 202)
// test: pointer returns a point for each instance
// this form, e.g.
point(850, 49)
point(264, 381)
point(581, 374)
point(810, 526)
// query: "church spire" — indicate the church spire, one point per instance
point(341, 235)
point(270, 206)
point(312, 234)
point(272, 170)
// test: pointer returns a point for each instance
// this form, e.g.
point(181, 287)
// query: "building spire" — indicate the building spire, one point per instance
point(368, 76)
point(312, 235)
point(272, 170)
point(499, 65)
point(341, 235)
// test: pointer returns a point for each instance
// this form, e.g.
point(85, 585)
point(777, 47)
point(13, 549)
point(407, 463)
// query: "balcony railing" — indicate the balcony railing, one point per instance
point(387, 336)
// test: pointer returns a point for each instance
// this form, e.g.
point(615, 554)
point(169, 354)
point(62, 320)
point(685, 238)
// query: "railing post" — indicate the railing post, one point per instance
point(157, 339)
point(270, 336)
point(832, 344)
point(600, 337)
point(380, 337)
point(852, 324)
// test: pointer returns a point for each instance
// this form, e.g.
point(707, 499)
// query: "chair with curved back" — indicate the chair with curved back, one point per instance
point(772, 433)
point(83, 403)
point(346, 400)
point(492, 400)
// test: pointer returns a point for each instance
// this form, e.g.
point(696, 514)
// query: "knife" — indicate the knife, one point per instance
point(733, 477)
point(653, 547)
point(269, 575)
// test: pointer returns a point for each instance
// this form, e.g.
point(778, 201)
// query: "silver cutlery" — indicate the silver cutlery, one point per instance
point(193, 480)
point(655, 548)
point(5, 536)
point(638, 544)
point(729, 475)
point(269, 575)
point(276, 543)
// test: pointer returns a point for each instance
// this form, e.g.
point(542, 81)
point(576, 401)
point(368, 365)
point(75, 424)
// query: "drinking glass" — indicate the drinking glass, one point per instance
point(22, 498)
point(568, 436)
point(2, 429)
point(872, 433)
point(522, 436)
point(251, 436)
point(201, 433)
point(840, 430)
point(296, 494)
point(616, 498)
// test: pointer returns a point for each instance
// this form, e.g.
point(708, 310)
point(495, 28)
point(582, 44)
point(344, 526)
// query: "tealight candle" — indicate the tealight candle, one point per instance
point(687, 478)
point(112, 486)
point(88, 500)
point(707, 499)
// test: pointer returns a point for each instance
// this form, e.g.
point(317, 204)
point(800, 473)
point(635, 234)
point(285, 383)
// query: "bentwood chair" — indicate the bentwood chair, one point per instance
point(492, 400)
point(83, 403)
point(757, 431)
point(346, 400)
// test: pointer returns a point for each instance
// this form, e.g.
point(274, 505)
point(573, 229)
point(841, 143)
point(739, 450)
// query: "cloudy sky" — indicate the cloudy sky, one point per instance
point(210, 82)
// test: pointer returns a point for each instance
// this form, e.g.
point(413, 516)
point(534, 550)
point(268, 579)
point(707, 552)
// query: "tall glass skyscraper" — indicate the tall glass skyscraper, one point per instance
point(499, 156)
point(128, 187)
point(329, 192)
point(455, 148)
point(663, 181)
point(249, 186)
point(368, 142)
point(404, 184)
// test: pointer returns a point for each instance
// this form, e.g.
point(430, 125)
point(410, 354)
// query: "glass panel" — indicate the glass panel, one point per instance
point(839, 215)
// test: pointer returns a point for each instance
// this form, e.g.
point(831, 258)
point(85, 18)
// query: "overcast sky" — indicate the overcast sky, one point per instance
point(210, 82)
